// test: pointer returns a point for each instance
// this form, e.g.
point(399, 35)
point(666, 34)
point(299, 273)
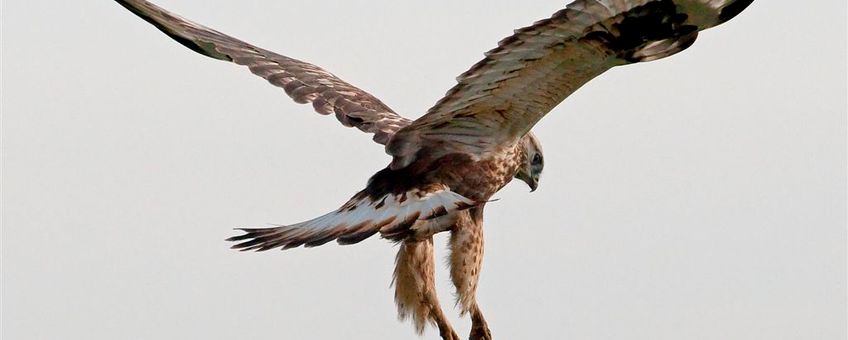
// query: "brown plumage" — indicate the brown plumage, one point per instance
point(415, 284)
point(415, 287)
point(448, 163)
point(466, 261)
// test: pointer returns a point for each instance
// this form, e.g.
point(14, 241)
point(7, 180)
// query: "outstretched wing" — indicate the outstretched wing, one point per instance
point(303, 82)
point(501, 97)
point(423, 210)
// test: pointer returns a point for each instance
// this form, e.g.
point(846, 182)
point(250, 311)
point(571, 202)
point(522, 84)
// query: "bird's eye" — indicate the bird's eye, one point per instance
point(537, 159)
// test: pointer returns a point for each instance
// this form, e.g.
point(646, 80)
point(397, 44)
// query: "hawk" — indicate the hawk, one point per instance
point(447, 164)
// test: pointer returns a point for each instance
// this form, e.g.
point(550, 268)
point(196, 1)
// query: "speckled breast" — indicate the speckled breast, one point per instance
point(477, 180)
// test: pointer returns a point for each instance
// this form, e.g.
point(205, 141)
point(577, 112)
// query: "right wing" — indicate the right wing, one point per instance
point(302, 81)
point(504, 95)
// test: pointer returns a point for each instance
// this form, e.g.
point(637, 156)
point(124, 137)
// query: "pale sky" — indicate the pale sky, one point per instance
point(702, 196)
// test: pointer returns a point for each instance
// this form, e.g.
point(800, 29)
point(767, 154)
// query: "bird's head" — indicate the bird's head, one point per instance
point(532, 161)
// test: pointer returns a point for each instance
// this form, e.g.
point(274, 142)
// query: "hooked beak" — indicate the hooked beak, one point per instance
point(533, 183)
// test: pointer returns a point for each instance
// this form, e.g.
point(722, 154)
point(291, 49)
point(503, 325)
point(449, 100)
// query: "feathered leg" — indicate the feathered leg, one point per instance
point(466, 257)
point(415, 287)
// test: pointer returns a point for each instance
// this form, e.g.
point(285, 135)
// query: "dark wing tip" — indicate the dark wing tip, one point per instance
point(732, 10)
point(256, 239)
point(166, 22)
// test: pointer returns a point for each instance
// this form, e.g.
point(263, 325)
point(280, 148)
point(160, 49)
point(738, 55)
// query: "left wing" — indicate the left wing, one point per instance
point(423, 210)
point(500, 98)
point(303, 82)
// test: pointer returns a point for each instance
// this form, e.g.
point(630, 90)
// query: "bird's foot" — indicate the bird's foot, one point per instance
point(480, 333)
point(448, 334)
point(479, 326)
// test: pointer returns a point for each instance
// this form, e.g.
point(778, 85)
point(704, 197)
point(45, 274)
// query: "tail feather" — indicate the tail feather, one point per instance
point(395, 216)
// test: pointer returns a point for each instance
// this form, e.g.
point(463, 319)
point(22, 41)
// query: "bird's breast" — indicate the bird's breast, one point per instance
point(476, 179)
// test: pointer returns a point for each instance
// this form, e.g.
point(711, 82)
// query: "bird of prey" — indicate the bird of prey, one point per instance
point(447, 164)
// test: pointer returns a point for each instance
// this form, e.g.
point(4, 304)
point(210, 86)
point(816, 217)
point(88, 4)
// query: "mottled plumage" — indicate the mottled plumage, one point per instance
point(415, 290)
point(448, 163)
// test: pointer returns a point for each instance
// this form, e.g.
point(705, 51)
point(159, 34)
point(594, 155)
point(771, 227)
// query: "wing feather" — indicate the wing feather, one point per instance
point(301, 81)
point(501, 97)
point(396, 216)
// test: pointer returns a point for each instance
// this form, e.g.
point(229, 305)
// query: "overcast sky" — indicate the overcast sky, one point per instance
point(701, 196)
